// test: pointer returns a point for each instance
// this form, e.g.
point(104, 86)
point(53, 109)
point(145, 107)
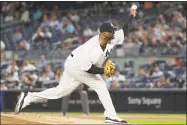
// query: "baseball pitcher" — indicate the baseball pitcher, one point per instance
point(85, 65)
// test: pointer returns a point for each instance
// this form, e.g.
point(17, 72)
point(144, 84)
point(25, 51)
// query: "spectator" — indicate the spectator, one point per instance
point(178, 62)
point(29, 79)
point(148, 77)
point(150, 33)
point(152, 63)
point(144, 45)
point(115, 84)
point(49, 72)
point(3, 87)
point(39, 35)
point(58, 74)
point(44, 77)
point(167, 83)
point(162, 20)
point(69, 27)
point(5, 8)
point(43, 62)
point(163, 46)
point(60, 25)
point(158, 85)
point(54, 22)
point(2, 58)
point(45, 22)
point(153, 43)
point(178, 19)
point(157, 72)
point(2, 53)
point(18, 35)
point(17, 59)
point(126, 84)
point(141, 75)
point(158, 31)
point(28, 66)
point(38, 14)
point(2, 46)
point(150, 85)
point(183, 81)
point(107, 81)
point(12, 76)
point(118, 77)
point(11, 82)
point(23, 45)
point(9, 17)
point(74, 17)
point(13, 69)
point(160, 82)
point(25, 18)
point(47, 33)
point(56, 11)
point(88, 32)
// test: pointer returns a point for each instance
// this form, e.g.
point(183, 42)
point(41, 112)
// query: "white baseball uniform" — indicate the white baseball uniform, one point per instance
point(75, 68)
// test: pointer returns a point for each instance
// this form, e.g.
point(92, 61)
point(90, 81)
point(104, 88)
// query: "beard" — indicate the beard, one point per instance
point(110, 38)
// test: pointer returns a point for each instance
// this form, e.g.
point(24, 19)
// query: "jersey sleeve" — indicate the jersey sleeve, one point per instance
point(92, 58)
point(118, 37)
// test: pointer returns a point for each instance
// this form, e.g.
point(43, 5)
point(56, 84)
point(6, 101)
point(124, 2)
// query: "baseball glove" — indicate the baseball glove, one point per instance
point(109, 68)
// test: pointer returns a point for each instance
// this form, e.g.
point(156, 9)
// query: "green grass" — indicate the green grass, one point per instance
point(151, 121)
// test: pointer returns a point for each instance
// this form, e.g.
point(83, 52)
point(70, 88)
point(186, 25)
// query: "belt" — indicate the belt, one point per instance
point(71, 55)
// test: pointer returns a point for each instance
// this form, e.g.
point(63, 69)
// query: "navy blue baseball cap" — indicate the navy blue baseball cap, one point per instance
point(107, 27)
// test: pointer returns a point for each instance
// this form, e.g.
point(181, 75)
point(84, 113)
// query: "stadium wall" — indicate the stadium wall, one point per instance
point(125, 100)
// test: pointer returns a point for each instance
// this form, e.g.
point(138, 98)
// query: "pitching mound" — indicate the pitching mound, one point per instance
point(33, 118)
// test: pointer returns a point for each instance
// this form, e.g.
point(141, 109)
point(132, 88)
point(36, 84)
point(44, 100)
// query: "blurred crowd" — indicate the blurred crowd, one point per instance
point(167, 36)
point(42, 28)
point(164, 33)
point(158, 73)
point(31, 74)
point(14, 11)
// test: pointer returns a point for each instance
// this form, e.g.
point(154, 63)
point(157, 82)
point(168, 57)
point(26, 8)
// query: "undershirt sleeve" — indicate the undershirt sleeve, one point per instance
point(95, 70)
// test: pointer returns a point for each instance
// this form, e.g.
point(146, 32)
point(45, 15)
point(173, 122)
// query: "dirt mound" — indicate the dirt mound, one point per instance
point(34, 118)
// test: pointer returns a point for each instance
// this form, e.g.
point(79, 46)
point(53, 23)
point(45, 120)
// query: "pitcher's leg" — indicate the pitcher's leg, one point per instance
point(99, 86)
point(67, 85)
point(106, 100)
point(64, 106)
point(84, 102)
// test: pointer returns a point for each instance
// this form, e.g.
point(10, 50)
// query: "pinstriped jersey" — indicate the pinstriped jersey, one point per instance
point(91, 52)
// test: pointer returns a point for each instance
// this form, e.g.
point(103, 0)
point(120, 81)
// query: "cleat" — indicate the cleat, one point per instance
point(114, 121)
point(20, 102)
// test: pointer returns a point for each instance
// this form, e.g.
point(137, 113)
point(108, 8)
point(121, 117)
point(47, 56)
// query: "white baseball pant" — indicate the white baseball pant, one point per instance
point(72, 77)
